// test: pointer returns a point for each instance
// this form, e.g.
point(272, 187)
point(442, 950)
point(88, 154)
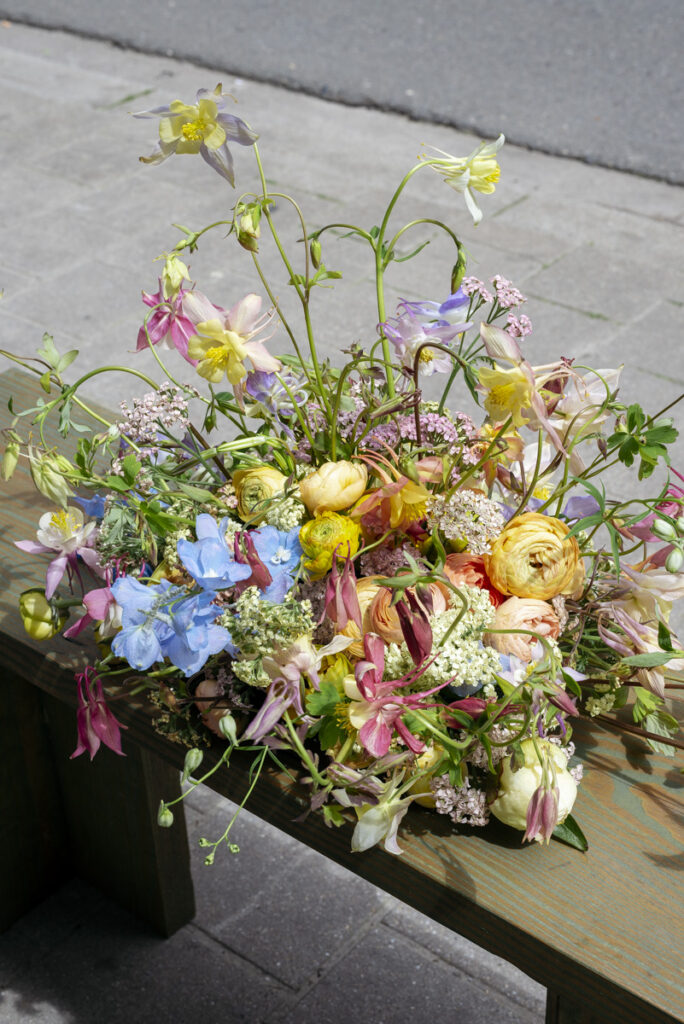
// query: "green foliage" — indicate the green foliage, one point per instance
point(571, 834)
point(635, 438)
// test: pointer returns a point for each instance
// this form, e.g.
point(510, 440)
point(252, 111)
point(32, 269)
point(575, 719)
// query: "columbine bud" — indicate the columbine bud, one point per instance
point(663, 529)
point(41, 619)
point(164, 816)
point(674, 560)
point(459, 270)
point(227, 727)
point(10, 459)
point(48, 472)
point(316, 252)
point(193, 759)
point(249, 229)
point(173, 275)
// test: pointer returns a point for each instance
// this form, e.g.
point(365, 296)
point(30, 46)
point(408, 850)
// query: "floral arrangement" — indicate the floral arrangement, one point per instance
point(414, 600)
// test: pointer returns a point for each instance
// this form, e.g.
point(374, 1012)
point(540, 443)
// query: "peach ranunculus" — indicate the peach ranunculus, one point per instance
point(522, 613)
point(366, 589)
point(333, 486)
point(383, 616)
point(469, 569)
point(534, 557)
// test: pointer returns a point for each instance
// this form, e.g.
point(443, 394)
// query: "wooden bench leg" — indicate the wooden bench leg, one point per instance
point(561, 1010)
point(33, 850)
point(110, 807)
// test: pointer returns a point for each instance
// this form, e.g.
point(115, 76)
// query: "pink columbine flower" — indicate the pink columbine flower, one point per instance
point(101, 606)
point(175, 319)
point(95, 722)
point(376, 709)
point(64, 534)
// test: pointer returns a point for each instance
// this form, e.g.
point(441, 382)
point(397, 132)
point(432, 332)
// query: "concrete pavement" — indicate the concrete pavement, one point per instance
point(281, 935)
point(599, 80)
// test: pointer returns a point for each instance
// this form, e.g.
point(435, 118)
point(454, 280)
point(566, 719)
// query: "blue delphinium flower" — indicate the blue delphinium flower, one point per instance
point(211, 561)
point(280, 551)
point(162, 621)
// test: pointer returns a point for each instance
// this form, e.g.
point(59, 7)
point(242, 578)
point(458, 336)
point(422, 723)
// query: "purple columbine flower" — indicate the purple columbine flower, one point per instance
point(95, 722)
point(270, 394)
point(408, 332)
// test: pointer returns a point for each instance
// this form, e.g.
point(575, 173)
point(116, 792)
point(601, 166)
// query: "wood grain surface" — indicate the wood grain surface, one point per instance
point(602, 928)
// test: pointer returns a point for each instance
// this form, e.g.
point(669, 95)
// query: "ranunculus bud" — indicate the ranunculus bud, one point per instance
point(522, 613)
point(253, 489)
point(40, 618)
point(517, 788)
point(334, 486)
point(534, 557)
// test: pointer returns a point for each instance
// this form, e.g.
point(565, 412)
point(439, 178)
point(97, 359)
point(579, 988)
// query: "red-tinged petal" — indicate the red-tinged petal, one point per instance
point(411, 741)
point(375, 736)
point(78, 626)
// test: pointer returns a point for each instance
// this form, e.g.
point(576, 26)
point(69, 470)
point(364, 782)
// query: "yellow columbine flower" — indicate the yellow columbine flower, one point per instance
point(508, 393)
point(203, 127)
point(478, 172)
point(219, 352)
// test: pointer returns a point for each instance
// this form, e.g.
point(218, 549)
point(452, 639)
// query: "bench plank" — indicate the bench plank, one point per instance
point(599, 929)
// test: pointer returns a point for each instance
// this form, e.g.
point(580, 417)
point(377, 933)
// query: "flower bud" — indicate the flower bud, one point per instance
point(249, 229)
point(680, 524)
point(48, 472)
point(227, 727)
point(458, 271)
point(517, 789)
point(164, 816)
point(193, 759)
point(316, 252)
point(10, 459)
point(41, 619)
point(173, 275)
point(663, 529)
point(674, 560)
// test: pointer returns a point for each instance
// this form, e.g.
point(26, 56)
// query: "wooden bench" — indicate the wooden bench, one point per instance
point(602, 930)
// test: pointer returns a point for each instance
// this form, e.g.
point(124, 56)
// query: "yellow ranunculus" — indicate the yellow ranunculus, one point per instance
point(334, 486)
point(41, 620)
point(253, 488)
point(508, 393)
point(534, 557)
point(322, 535)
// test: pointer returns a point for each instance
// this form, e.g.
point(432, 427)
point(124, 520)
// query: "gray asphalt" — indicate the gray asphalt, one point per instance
point(599, 80)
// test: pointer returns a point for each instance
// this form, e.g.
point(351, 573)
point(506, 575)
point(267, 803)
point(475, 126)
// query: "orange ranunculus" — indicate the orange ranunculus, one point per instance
point(534, 557)
point(469, 569)
point(383, 616)
point(522, 613)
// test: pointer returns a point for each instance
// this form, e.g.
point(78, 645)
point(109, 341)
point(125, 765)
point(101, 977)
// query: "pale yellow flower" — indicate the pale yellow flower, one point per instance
point(507, 393)
point(334, 486)
point(253, 488)
point(534, 557)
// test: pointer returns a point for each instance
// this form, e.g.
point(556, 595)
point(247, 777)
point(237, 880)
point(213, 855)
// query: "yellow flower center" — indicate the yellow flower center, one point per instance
point(220, 357)
point(426, 356)
point(342, 716)
point(65, 521)
point(195, 130)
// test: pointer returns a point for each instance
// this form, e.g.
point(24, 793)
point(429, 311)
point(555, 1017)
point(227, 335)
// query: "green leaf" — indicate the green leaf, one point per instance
point(196, 493)
point(323, 701)
point(661, 435)
point(45, 381)
point(131, 467)
point(333, 815)
point(402, 259)
point(48, 351)
point(116, 483)
point(664, 725)
point(570, 832)
point(635, 418)
point(66, 360)
point(664, 636)
point(330, 734)
point(651, 659)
